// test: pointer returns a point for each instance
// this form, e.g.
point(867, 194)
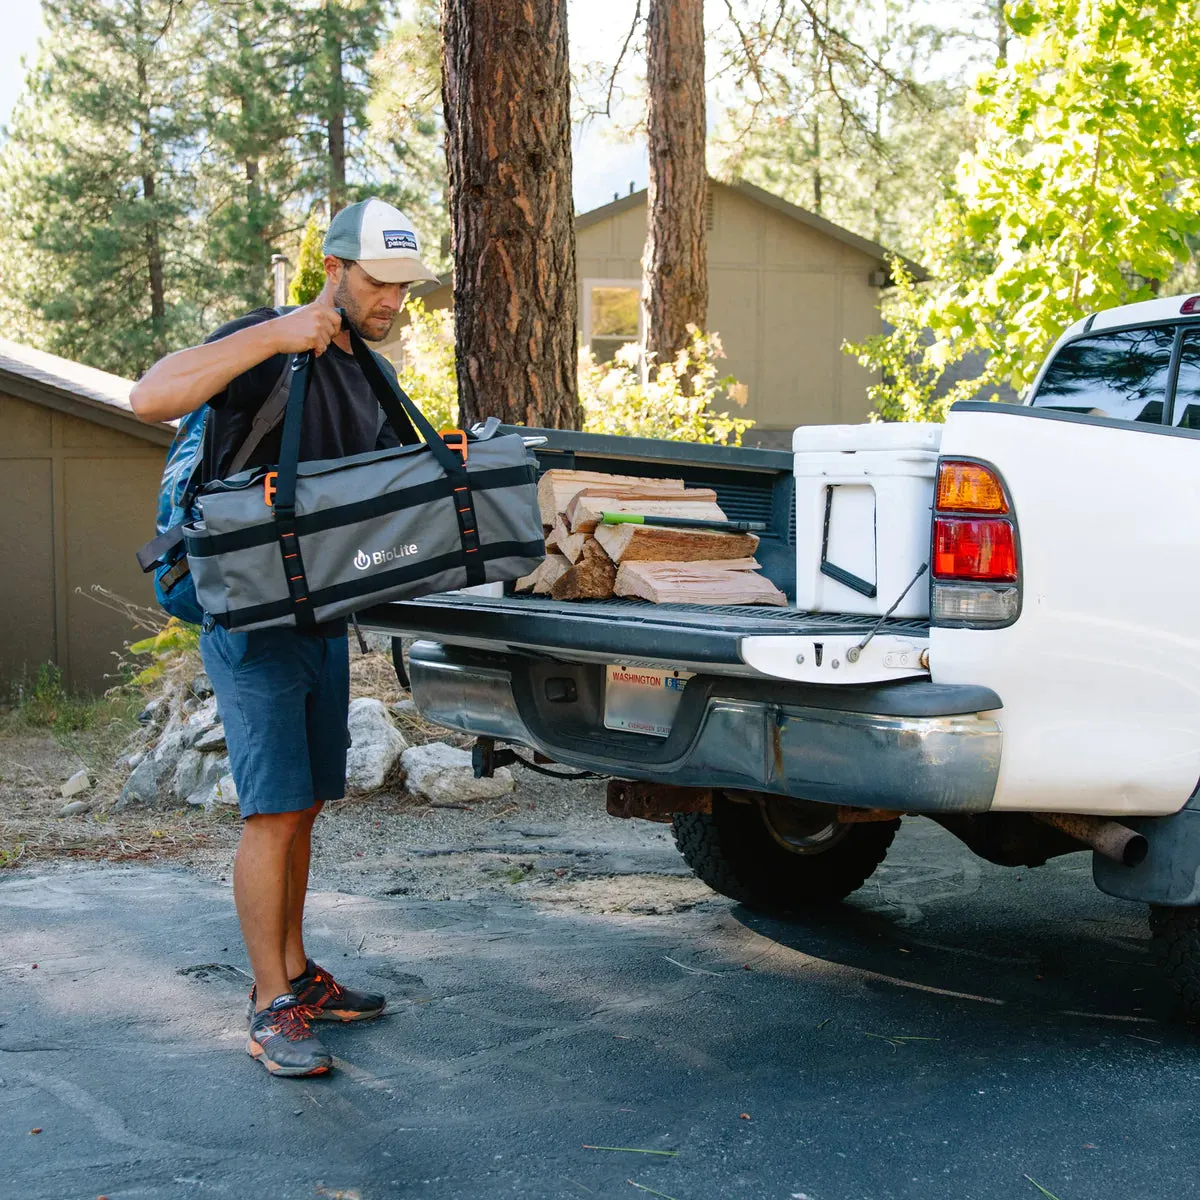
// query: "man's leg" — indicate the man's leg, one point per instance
point(295, 956)
point(263, 891)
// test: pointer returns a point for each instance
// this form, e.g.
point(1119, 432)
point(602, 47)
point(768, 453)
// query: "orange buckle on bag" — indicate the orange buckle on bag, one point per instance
point(460, 445)
point(269, 487)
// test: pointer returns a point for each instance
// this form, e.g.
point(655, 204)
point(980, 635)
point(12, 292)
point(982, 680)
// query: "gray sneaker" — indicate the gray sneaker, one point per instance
point(281, 1038)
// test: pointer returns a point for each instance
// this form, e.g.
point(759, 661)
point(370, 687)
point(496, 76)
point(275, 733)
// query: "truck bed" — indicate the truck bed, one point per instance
point(751, 485)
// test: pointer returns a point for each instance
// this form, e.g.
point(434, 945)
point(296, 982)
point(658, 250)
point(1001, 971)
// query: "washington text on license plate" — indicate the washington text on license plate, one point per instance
point(642, 700)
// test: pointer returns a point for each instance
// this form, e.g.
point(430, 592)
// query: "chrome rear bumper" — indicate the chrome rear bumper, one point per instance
point(750, 735)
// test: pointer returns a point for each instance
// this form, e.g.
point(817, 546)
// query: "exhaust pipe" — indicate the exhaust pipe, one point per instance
point(1110, 838)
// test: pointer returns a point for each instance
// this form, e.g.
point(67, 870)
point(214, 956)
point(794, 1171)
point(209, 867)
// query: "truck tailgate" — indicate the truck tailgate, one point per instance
point(613, 630)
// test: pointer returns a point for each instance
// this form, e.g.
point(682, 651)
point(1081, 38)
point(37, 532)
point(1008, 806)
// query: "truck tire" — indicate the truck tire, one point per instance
point(738, 851)
point(1176, 934)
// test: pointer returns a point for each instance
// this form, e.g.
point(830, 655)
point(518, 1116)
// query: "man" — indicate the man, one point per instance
point(283, 695)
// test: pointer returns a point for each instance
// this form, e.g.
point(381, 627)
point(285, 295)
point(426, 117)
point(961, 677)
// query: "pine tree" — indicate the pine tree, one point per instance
point(333, 45)
point(675, 262)
point(309, 279)
point(96, 191)
point(405, 115)
point(506, 97)
point(249, 173)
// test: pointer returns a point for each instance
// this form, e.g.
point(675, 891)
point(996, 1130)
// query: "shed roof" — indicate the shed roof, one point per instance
point(811, 219)
point(74, 388)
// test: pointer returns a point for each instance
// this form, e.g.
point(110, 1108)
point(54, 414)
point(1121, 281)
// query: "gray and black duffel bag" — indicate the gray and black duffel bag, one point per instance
point(307, 542)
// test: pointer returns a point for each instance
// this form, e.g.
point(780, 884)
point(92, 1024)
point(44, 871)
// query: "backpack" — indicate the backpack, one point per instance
point(181, 478)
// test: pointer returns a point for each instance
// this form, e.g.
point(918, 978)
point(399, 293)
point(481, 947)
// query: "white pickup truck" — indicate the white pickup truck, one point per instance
point(989, 625)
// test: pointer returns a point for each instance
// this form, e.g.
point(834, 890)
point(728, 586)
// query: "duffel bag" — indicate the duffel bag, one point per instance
point(307, 542)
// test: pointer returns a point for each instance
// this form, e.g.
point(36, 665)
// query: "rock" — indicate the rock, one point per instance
point(131, 761)
point(202, 687)
point(444, 773)
point(154, 712)
point(182, 732)
point(375, 744)
point(195, 775)
point(79, 782)
point(214, 739)
point(377, 643)
point(75, 809)
point(209, 792)
point(176, 738)
point(141, 787)
point(406, 707)
point(224, 791)
point(205, 717)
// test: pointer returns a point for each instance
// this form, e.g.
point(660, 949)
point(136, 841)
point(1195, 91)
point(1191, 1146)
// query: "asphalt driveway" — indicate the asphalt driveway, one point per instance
point(956, 1029)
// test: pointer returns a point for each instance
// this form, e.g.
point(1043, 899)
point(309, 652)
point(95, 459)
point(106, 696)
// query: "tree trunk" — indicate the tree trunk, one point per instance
point(506, 96)
point(1001, 30)
point(337, 114)
point(675, 262)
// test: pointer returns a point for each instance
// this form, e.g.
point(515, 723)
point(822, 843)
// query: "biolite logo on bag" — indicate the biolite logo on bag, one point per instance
point(363, 559)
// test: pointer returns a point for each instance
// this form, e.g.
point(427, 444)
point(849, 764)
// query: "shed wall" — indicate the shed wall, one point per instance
point(76, 500)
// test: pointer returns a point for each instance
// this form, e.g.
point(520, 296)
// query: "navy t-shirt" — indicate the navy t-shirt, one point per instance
point(341, 415)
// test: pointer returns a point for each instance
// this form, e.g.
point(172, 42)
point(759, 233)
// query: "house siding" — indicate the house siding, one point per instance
point(76, 500)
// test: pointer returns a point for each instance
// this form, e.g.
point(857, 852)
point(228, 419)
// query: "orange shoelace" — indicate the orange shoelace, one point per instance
point(293, 1022)
point(333, 989)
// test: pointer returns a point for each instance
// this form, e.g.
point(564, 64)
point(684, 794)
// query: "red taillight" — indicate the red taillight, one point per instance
point(976, 550)
point(1190, 306)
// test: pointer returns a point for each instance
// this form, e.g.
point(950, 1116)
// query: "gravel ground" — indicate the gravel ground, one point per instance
point(550, 840)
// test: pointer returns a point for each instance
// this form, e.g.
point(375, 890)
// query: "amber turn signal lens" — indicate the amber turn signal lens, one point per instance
point(969, 487)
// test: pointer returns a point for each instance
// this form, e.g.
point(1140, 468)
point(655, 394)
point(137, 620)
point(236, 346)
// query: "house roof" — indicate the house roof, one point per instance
point(810, 219)
point(74, 388)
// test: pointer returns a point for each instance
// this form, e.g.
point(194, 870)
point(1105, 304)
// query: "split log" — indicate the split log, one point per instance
point(568, 544)
point(583, 513)
point(552, 569)
point(730, 582)
point(558, 487)
point(591, 578)
point(654, 543)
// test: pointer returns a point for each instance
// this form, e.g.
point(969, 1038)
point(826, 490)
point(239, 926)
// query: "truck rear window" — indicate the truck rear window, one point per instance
point(1187, 390)
point(1121, 375)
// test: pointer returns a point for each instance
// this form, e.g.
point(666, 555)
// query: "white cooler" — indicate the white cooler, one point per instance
point(864, 498)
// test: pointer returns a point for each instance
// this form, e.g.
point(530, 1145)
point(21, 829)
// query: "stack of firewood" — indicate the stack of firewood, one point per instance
point(588, 560)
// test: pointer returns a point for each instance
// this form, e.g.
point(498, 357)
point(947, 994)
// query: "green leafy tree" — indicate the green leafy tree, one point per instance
point(684, 400)
point(97, 187)
point(840, 114)
point(1081, 193)
point(309, 279)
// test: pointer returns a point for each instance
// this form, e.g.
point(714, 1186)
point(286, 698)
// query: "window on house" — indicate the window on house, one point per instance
point(612, 315)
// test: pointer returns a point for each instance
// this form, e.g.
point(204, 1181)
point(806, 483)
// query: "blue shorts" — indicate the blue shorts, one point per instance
point(282, 697)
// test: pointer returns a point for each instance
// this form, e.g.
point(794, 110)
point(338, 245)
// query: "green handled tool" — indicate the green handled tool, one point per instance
point(613, 518)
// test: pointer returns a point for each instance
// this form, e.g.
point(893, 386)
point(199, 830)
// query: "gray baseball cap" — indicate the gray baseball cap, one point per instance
point(381, 239)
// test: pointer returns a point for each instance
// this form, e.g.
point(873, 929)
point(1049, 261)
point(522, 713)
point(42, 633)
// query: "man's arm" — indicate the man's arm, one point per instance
point(183, 381)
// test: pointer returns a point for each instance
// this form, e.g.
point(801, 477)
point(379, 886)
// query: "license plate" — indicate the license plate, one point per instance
point(641, 700)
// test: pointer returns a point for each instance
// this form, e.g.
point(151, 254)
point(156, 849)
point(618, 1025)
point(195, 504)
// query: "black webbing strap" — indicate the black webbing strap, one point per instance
point(284, 501)
point(402, 411)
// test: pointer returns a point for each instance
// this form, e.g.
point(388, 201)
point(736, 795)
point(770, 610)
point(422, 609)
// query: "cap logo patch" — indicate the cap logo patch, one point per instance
point(399, 239)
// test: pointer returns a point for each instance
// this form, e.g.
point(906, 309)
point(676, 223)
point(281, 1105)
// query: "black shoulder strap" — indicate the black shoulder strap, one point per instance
point(271, 412)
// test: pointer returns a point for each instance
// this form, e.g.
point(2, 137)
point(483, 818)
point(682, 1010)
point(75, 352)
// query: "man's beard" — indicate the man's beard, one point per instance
point(354, 316)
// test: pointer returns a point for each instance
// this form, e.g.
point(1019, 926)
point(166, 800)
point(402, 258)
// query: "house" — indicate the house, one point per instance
point(79, 478)
point(786, 289)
